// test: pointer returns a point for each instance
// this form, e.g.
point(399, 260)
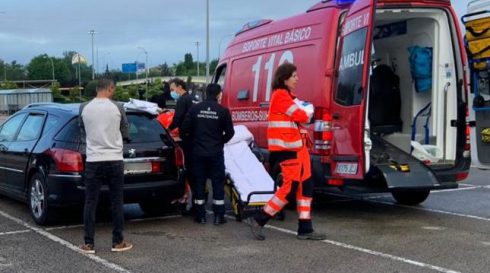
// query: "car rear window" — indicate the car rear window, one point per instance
point(143, 128)
point(70, 132)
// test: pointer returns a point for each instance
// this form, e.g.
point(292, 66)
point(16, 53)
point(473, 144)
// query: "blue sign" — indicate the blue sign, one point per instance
point(129, 68)
point(141, 66)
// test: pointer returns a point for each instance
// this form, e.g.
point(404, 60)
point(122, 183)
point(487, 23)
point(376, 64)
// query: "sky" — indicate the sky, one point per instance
point(166, 29)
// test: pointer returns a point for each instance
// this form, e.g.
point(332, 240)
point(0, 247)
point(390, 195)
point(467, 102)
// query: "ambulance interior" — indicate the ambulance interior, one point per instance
point(396, 30)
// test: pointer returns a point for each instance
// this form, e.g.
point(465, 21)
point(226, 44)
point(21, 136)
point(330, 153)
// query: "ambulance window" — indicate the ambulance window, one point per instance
point(349, 83)
point(220, 76)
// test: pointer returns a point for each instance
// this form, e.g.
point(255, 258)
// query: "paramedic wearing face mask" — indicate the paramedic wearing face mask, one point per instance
point(288, 150)
point(185, 101)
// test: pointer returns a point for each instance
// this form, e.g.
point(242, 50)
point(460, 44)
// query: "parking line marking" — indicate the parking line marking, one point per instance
point(474, 217)
point(374, 252)
point(458, 189)
point(128, 221)
point(369, 199)
point(65, 243)
point(15, 232)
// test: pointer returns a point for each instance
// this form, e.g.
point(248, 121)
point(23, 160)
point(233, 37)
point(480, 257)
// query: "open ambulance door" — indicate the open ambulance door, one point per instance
point(351, 144)
point(477, 36)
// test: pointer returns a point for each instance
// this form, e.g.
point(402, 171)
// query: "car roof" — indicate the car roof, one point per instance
point(67, 108)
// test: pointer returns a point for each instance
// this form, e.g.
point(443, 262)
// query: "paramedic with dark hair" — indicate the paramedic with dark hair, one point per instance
point(184, 102)
point(288, 150)
point(208, 126)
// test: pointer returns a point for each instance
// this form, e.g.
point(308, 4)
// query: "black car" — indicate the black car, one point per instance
point(42, 160)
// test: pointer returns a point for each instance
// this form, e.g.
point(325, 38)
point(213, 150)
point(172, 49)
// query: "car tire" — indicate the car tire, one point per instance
point(154, 208)
point(38, 199)
point(411, 198)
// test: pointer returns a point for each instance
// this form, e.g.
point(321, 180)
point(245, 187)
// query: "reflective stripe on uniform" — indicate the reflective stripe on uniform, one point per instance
point(282, 143)
point(282, 124)
point(291, 109)
point(303, 203)
point(278, 202)
point(304, 215)
point(218, 202)
point(199, 202)
point(269, 210)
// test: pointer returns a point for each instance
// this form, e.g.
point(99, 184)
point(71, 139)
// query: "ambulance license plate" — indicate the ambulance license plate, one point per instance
point(346, 168)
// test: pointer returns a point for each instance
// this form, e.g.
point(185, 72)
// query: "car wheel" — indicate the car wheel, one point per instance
point(155, 208)
point(38, 199)
point(411, 197)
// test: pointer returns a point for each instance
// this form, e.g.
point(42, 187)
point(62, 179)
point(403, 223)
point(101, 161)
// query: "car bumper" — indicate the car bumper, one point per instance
point(68, 190)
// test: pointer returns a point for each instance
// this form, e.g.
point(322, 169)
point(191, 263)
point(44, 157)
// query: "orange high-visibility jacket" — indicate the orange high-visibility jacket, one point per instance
point(283, 133)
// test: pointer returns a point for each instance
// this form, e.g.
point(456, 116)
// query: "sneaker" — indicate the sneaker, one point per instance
point(87, 249)
point(219, 220)
point(123, 246)
point(200, 220)
point(257, 230)
point(312, 236)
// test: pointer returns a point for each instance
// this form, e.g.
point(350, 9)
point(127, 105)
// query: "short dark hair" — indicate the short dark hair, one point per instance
point(283, 73)
point(178, 82)
point(104, 84)
point(212, 90)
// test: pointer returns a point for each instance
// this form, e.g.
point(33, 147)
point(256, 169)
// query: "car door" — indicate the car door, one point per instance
point(8, 131)
point(20, 148)
point(350, 150)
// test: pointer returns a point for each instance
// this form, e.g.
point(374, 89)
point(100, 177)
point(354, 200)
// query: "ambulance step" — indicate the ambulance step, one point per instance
point(399, 168)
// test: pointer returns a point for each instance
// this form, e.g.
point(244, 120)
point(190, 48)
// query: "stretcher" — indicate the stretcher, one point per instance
point(248, 184)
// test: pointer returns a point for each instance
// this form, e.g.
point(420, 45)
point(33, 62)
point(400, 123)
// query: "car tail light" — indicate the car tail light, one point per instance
point(179, 157)
point(156, 166)
point(467, 145)
point(66, 160)
point(323, 135)
point(461, 176)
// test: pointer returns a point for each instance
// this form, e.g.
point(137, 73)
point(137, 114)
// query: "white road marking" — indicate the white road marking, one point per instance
point(375, 253)
point(65, 243)
point(458, 189)
point(435, 210)
point(486, 243)
point(15, 232)
point(128, 221)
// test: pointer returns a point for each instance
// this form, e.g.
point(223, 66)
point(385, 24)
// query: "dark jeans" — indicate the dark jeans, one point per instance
point(97, 173)
point(214, 168)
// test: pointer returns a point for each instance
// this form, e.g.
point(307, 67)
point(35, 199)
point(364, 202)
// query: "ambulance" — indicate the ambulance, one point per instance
point(477, 39)
point(389, 84)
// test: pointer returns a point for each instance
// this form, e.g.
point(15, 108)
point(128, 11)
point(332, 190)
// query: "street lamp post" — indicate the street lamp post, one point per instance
point(146, 66)
point(92, 33)
point(207, 42)
point(197, 57)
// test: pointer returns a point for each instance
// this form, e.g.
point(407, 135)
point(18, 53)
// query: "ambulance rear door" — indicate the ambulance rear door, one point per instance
point(351, 144)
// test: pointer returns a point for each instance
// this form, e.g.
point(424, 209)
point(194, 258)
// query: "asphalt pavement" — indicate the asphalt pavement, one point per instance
point(450, 232)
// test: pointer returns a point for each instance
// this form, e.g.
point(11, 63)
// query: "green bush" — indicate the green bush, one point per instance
point(74, 94)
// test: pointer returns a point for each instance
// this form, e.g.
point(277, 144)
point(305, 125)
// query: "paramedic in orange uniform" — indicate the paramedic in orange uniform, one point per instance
point(288, 150)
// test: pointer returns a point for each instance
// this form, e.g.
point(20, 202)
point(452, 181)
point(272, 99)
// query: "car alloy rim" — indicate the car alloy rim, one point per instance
point(37, 198)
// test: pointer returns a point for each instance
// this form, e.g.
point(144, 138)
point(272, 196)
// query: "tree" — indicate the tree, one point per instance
point(74, 93)
point(40, 68)
point(55, 89)
point(90, 89)
point(15, 71)
point(188, 61)
point(8, 85)
point(166, 70)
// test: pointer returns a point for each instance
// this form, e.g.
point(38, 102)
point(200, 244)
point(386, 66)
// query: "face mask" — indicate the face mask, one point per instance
point(174, 95)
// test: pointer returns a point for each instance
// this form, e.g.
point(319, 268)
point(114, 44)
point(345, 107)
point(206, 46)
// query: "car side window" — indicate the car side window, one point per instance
point(70, 132)
point(31, 128)
point(220, 76)
point(11, 126)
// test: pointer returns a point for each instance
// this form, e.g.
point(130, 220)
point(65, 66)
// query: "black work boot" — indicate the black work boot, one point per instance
point(219, 219)
point(257, 230)
point(200, 214)
point(306, 232)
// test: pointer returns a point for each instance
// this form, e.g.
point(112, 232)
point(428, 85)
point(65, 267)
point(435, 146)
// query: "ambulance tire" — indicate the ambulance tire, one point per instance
point(410, 198)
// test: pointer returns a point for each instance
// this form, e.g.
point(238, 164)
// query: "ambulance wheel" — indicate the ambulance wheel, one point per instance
point(410, 198)
point(154, 208)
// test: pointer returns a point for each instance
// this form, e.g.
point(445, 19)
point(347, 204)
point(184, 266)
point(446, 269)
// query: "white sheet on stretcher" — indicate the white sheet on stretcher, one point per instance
point(246, 171)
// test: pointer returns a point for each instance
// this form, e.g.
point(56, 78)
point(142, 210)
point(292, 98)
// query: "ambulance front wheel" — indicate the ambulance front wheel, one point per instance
point(410, 198)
